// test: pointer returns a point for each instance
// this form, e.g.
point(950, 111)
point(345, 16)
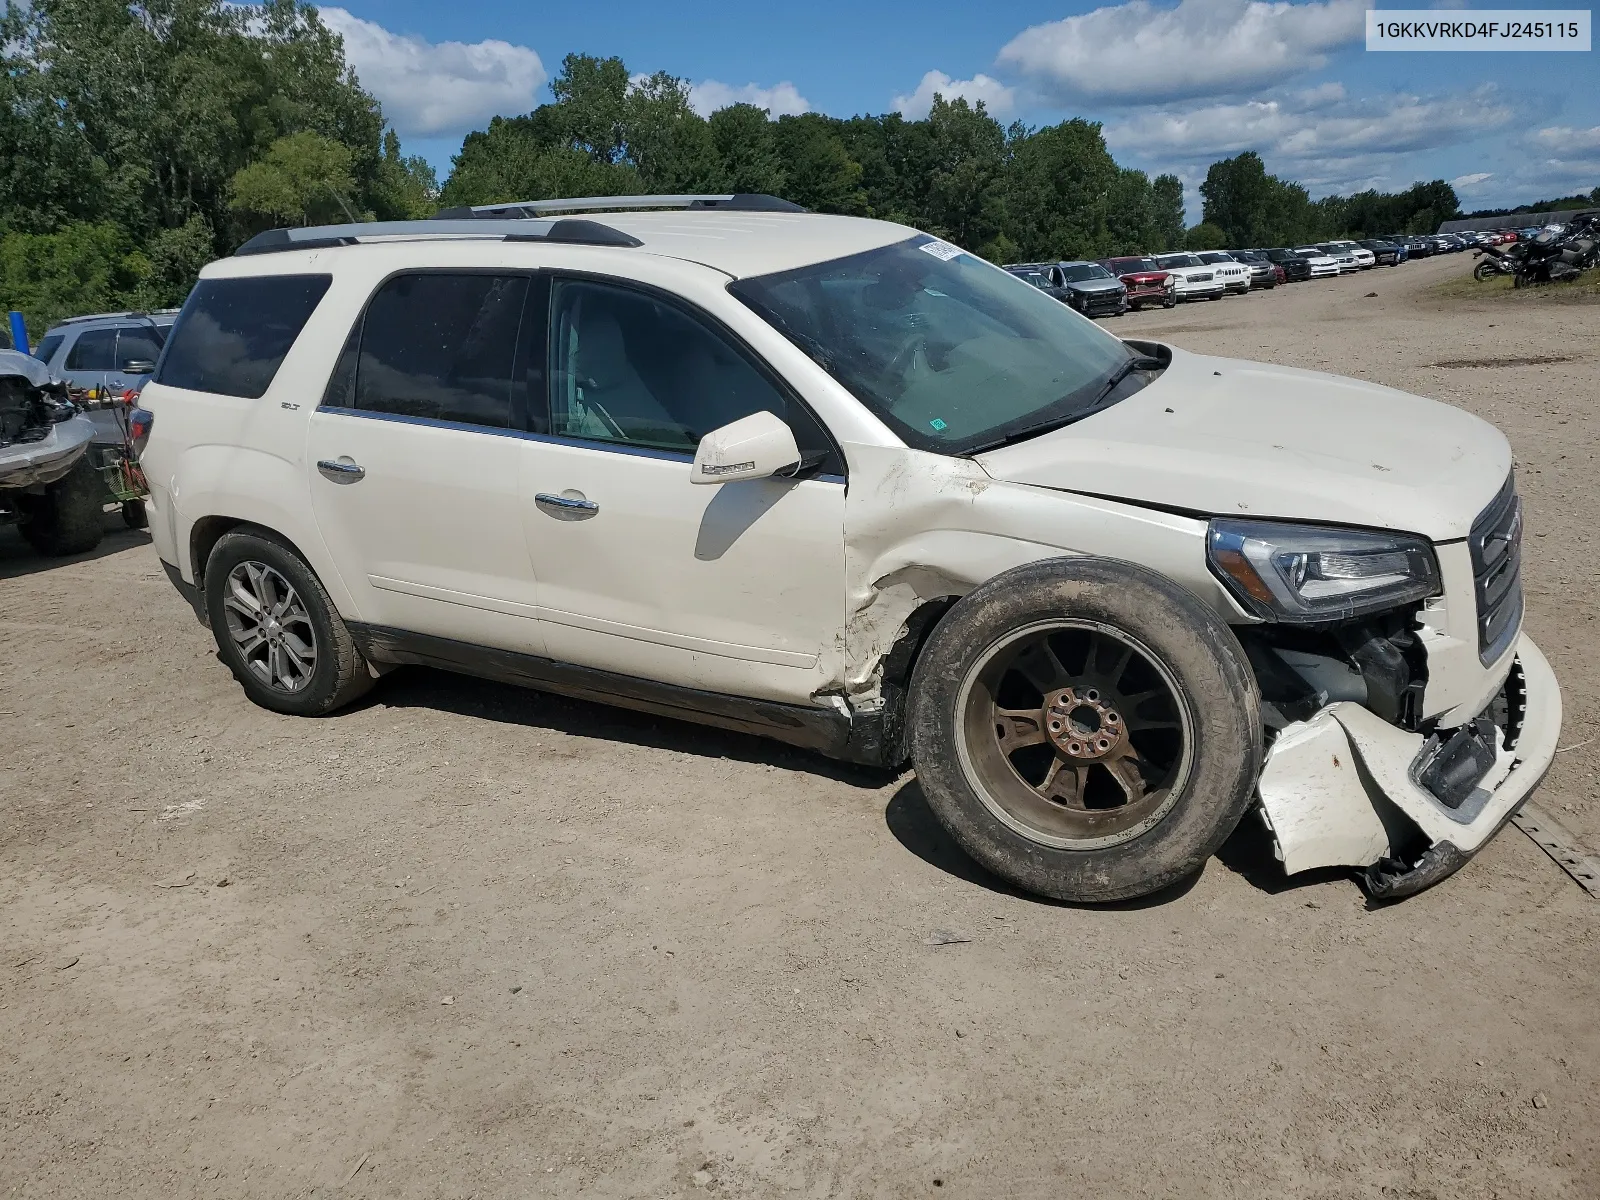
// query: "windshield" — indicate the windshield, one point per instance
point(950, 352)
point(1216, 256)
point(1033, 277)
point(1179, 260)
point(1081, 272)
point(1129, 266)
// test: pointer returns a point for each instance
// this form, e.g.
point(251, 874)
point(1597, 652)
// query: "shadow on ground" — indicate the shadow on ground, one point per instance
point(17, 558)
point(424, 687)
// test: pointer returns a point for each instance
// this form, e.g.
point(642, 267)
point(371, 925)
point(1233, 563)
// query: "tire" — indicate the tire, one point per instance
point(1172, 302)
point(1218, 296)
point(66, 519)
point(134, 515)
point(1190, 736)
point(274, 668)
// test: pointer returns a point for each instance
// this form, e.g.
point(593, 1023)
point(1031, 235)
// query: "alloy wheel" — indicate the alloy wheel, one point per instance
point(1074, 734)
point(270, 626)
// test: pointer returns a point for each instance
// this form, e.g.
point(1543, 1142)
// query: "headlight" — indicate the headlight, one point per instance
point(1304, 574)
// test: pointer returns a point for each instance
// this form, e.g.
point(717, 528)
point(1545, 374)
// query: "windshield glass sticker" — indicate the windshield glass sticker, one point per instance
point(943, 251)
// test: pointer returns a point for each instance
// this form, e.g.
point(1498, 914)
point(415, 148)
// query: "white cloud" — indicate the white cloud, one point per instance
point(1314, 134)
point(1139, 53)
point(996, 96)
point(431, 88)
point(1473, 182)
point(780, 100)
point(1565, 140)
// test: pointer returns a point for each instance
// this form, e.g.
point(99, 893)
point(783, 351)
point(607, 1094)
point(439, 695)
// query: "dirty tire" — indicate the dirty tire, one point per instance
point(340, 673)
point(1177, 634)
point(134, 515)
point(66, 519)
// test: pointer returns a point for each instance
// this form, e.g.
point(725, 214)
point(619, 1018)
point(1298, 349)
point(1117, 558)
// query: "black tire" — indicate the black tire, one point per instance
point(339, 674)
point(67, 518)
point(1175, 633)
point(1170, 303)
point(134, 515)
point(1218, 296)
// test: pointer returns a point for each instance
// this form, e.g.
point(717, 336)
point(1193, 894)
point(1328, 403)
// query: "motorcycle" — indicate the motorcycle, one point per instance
point(1547, 257)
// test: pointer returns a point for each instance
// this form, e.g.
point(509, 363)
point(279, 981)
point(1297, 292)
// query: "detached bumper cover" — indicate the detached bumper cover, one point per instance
point(1342, 789)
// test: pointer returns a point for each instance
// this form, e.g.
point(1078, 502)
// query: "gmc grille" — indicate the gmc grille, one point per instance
point(1496, 547)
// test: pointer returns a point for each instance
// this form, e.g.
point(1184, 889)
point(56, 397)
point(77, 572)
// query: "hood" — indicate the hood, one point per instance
point(1096, 285)
point(1190, 272)
point(14, 362)
point(1222, 437)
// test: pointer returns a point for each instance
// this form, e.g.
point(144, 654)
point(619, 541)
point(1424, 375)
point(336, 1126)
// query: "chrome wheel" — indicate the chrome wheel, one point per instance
point(1074, 734)
point(270, 626)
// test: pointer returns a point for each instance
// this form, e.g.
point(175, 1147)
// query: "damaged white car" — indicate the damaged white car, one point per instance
point(837, 482)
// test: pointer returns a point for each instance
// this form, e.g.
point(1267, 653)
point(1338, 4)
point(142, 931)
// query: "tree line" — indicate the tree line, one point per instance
point(138, 142)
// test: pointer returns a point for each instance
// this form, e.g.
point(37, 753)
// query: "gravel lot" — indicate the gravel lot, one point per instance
point(472, 941)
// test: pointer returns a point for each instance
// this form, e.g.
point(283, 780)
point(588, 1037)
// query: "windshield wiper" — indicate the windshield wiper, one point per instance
point(1139, 362)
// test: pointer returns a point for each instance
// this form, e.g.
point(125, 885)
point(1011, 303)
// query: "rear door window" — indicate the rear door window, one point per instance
point(442, 347)
point(95, 350)
point(232, 335)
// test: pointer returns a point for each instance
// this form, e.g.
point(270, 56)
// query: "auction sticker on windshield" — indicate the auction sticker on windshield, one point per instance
point(943, 251)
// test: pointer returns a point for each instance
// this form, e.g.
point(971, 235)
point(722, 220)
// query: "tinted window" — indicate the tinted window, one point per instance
point(46, 350)
point(95, 350)
point(1128, 266)
point(137, 343)
point(631, 369)
point(443, 347)
point(232, 334)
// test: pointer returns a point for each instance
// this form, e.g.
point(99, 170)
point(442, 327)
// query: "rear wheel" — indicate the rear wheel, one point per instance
point(277, 629)
point(66, 519)
point(134, 515)
point(1085, 729)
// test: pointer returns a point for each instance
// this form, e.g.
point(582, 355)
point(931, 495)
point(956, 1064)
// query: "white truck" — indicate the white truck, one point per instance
point(837, 482)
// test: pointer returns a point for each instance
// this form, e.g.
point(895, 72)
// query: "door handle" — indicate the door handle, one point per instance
point(341, 470)
point(566, 502)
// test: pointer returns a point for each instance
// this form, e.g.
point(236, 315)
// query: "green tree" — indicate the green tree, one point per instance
point(302, 178)
point(83, 267)
point(746, 150)
point(819, 172)
point(406, 188)
point(1166, 218)
point(1205, 236)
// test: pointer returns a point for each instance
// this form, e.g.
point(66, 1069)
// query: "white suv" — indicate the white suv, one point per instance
point(1193, 279)
point(840, 483)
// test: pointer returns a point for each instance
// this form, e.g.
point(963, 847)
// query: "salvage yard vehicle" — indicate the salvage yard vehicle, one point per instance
point(1322, 265)
point(840, 483)
point(49, 486)
point(1193, 280)
point(1085, 286)
point(1146, 282)
point(1235, 275)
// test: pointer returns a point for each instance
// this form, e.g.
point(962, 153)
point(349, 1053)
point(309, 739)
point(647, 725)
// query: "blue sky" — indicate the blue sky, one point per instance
point(1177, 83)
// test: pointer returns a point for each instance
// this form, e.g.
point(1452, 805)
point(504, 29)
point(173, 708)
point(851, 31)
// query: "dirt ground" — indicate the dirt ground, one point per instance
point(472, 941)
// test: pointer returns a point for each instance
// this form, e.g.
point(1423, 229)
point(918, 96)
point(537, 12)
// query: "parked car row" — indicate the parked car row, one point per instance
point(1128, 283)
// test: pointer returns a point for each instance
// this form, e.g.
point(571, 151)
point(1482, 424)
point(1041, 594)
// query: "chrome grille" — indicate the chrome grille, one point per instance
point(1496, 547)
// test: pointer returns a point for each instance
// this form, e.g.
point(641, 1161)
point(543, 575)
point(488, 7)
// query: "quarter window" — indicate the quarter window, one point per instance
point(439, 346)
point(46, 350)
point(233, 334)
point(630, 369)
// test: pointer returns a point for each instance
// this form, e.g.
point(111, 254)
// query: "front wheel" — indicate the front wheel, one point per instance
point(66, 519)
point(1170, 302)
point(1085, 729)
point(277, 629)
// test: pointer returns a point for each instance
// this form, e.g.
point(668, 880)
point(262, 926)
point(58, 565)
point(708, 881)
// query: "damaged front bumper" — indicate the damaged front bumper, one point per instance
point(1347, 788)
point(30, 464)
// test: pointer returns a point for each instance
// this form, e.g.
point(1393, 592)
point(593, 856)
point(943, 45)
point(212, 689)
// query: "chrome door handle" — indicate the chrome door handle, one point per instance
point(566, 502)
point(341, 470)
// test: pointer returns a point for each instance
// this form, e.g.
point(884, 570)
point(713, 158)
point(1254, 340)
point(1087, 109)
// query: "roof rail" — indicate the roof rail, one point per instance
point(321, 237)
point(115, 316)
point(734, 202)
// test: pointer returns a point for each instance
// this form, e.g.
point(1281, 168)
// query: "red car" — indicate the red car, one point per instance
point(1146, 282)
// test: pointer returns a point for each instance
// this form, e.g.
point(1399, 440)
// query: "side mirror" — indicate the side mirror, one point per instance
point(754, 447)
point(138, 366)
